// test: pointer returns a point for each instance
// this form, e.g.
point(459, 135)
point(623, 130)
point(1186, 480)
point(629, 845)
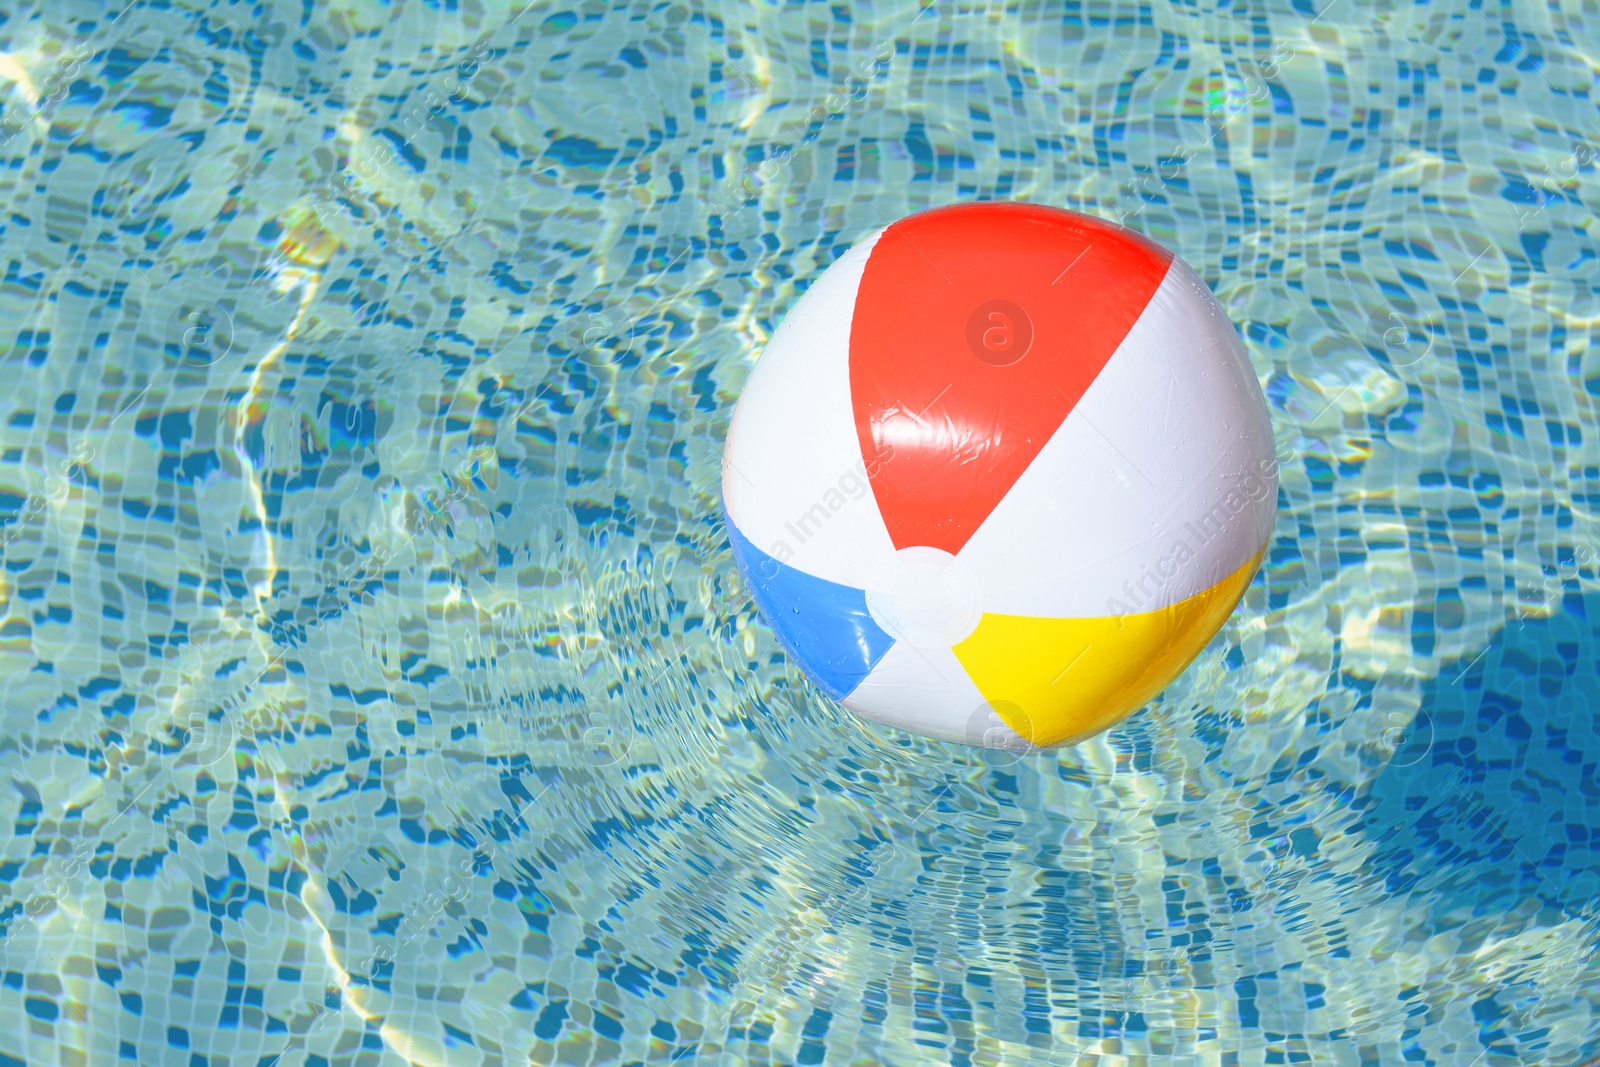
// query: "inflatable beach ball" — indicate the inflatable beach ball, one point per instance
point(1002, 472)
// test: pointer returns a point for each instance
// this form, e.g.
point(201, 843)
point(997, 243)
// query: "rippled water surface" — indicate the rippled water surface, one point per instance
point(377, 686)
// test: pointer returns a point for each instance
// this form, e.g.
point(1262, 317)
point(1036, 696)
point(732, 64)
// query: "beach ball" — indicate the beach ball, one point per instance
point(1001, 473)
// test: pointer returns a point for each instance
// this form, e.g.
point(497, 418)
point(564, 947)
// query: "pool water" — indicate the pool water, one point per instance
point(378, 687)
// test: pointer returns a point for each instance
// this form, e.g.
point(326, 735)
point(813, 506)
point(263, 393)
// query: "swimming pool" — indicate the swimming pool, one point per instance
point(378, 686)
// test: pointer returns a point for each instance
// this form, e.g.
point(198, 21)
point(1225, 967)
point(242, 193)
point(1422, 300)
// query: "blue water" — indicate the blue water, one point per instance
point(378, 687)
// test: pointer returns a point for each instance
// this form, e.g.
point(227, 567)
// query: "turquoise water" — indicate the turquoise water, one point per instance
point(378, 687)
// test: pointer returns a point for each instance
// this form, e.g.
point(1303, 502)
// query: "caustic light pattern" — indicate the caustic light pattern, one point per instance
point(1000, 475)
